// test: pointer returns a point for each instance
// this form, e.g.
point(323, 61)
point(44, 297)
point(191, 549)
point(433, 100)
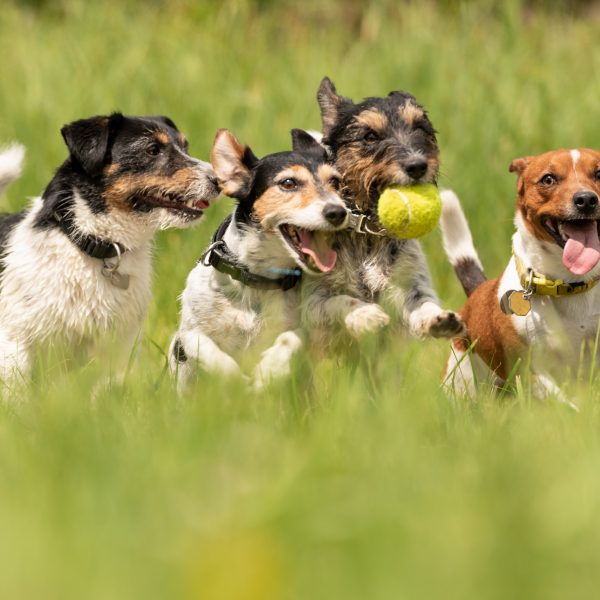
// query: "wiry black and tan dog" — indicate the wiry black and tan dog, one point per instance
point(246, 285)
point(374, 144)
point(78, 261)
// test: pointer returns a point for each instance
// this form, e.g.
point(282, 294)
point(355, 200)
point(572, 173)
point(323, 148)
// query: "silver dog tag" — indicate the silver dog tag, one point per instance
point(119, 280)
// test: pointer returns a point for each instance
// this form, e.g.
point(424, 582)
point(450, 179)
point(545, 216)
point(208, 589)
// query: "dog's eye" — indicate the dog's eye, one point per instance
point(548, 179)
point(597, 174)
point(153, 149)
point(335, 183)
point(288, 184)
point(371, 137)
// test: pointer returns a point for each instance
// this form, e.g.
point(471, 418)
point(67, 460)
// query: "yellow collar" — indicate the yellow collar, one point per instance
point(538, 284)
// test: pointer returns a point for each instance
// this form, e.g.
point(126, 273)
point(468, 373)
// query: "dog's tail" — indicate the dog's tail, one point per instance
point(11, 161)
point(458, 243)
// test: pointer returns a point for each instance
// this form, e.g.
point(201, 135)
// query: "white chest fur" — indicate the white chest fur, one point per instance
point(559, 324)
point(50, 288)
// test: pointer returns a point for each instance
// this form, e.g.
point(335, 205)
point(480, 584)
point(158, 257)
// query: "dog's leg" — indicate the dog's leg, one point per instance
point(459, 377)
point(359, 317)
point(412, 294)
point(543, 387)
point(275, 361)
point(193, 344)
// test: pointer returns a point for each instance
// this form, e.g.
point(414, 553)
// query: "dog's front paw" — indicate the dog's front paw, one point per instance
point(447, 324)
point(367, 318)
point(276, 361)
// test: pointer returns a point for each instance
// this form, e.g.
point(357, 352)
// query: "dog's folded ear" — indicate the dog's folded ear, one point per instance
point(330, 103)
point(167, 121)
point(233, 164)
point(518, 165)
point(304, 143)
point(88, 140)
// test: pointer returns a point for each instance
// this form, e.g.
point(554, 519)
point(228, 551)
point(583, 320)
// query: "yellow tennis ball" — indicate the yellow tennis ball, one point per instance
point(410, 212)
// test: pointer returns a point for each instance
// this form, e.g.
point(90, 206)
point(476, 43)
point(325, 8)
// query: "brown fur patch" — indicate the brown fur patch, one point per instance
point(411, 113)
point(162, 137)
point(372, 118)
point(182, 139)
point(325, 173)
point(111, 169)
point(118, 193)
point(226, 156)
point(498, 342)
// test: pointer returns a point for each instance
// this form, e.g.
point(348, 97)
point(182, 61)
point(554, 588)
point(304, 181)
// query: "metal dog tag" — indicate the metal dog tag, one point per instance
point(119, 280)
point(514, 302)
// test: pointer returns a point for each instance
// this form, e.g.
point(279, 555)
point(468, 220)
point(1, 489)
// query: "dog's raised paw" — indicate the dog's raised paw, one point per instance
point(367, 318)
point(275, 361)
point(446, 324)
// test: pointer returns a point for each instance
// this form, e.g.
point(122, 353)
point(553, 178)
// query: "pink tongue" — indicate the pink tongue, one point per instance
point(315, 245)
point(582, 250)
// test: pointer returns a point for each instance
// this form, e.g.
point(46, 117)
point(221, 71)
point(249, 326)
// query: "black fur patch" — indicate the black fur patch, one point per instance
point(7, 223)
point(178, 352)
point(469, 274)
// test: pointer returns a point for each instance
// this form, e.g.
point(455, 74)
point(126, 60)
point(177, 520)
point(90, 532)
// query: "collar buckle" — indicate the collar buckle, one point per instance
point(205, 259)
point(361, 223)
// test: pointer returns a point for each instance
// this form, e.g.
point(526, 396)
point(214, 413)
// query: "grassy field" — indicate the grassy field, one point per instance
point(364, 483)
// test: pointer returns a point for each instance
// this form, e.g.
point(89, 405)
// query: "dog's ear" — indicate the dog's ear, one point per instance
point(402, 96)
point(518, 165)
point(330, 104)
point(88, 140)
point(233, 164)
point(304, 143)
point(167, 121)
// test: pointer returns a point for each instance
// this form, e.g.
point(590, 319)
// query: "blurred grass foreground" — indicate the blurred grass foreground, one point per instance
point(351, 482)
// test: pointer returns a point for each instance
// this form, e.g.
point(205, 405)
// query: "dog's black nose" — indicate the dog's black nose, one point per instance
point(585, 201)
point(334, 214)
point(416, 167)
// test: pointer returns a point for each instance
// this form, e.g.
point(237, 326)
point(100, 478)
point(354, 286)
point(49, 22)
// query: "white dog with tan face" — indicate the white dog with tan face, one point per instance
point(244, 291)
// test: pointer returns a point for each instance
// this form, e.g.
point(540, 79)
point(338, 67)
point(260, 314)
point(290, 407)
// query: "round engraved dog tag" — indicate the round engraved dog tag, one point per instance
point(513, 302)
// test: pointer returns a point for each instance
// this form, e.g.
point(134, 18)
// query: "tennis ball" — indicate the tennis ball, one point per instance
point(410, 212)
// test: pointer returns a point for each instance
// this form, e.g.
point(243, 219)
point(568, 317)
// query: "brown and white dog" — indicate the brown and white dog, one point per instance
point(545, 304)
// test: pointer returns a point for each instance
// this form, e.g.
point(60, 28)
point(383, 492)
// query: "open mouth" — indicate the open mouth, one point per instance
point(579, 240)
point(312, 248)
point(193, 207)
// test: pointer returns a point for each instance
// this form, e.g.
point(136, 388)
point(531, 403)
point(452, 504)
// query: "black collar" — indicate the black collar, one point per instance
point(89, 244)
point(220, 257)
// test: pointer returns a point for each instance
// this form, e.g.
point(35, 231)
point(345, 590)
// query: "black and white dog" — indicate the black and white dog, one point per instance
point(77, 263)
point(374, 144)
point(281, 230)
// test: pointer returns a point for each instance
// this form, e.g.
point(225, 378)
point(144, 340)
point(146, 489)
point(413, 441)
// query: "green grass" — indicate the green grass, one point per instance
point(363, 483)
